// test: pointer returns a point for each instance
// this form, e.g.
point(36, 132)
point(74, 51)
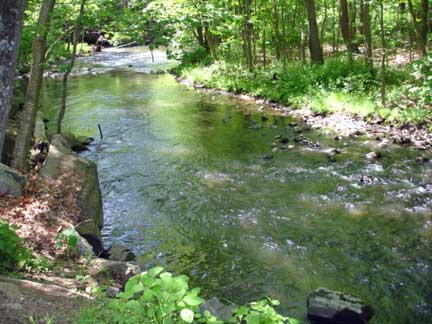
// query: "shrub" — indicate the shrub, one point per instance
point(13, 254)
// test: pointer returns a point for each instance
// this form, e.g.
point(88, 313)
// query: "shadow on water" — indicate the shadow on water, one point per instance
point(185, 185)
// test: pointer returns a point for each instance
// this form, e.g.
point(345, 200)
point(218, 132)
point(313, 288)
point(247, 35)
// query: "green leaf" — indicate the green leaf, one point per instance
point(153, 272)
point(193, 300)
point(187, 315)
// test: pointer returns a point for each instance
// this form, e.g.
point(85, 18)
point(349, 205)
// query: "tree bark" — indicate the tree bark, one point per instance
point(11, 19)
point(366, 29)
point(419, 27)
point(276, 30)
point(346, 28)
point(71, 65)
point(383, 55)
point(31, 103)
point(316, 51)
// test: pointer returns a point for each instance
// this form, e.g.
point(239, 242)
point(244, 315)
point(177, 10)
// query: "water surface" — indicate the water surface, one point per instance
point(185, 185)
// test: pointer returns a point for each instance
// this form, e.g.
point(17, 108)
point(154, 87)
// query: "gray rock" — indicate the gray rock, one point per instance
point(217, 309)
point(62, 161)
point(113, 292)
point(84, 247)
point(120, 272)
point(330, 307)
point(372, 156)
point(11, 182)
point(118, 252)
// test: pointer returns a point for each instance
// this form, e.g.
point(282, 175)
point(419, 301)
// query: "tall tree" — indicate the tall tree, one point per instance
point(383, 55)
point(11, 19)
point(346, 28)
point(366, 29)
point(31, 103)
point(315, 48)
point(76, 34)
point(421, 27)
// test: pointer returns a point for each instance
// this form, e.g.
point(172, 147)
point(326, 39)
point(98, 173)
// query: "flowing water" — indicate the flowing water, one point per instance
point(185, 185)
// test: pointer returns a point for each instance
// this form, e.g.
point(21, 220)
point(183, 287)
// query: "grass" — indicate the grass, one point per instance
point(336, 86)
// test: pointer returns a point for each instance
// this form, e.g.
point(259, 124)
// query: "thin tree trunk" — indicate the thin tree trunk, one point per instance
point(71, 65)
point(31, 103)
point(323, 26)
point(276, 28)
point(383, 55)
point(366, 29)
point(316, 51)
point(346, 28)
point(418, 28)
point(11, 19)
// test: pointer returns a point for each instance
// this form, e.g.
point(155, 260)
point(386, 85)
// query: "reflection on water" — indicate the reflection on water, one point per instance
point(185, 185)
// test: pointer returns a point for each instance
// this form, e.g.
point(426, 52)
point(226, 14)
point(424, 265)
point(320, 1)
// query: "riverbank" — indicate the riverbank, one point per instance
point(336, 96)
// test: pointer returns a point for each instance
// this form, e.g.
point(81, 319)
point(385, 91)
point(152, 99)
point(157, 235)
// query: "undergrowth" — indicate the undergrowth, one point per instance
point(334, 86)
point(157, 296)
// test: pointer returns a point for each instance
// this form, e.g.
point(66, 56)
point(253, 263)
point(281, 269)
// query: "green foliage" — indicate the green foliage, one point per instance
point(157, 296)
point(68, 239)
point(13, 254)
point(420, 87)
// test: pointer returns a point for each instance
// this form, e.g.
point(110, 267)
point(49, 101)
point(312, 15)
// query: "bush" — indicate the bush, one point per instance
point(13, 254)
point(156, 296)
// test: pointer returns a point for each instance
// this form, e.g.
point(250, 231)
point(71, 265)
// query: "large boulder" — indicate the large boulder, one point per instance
point(11, 182)
point(331, 307)
point(61, 160)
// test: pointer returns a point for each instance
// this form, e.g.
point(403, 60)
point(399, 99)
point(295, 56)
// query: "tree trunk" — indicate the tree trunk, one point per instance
point(366, 29)
point(346, 28)
point(11, 19)
point(276, 30)
point(71, 65)
point(418, 27)
point(383, 55)
point(31, 103)
point(315, 48)
point(247, 35)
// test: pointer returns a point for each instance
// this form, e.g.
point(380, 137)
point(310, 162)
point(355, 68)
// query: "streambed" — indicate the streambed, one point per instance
point(185, 184)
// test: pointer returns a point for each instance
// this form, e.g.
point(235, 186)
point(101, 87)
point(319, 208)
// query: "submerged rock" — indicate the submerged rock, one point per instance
point(11, 181)
point(217, 309)
point(331, 307)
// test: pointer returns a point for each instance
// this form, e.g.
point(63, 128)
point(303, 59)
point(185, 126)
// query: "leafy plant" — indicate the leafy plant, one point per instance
point(68, 239)
point(13, 254)
point(157, 297)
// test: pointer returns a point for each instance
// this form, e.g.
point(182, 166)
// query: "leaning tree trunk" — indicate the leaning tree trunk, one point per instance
point(69, 70)
point(31, 103)
point(11, 18)
point(315, 48)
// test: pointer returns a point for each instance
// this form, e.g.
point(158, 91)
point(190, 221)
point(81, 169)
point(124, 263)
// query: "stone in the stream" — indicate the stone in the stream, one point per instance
point(11, 181)
point(330, 307)
point(372, 156)
point(118, 252)
point(268, 157)
point(264, 117)
point(338, 138)
point(217, 309)
point(422, 160)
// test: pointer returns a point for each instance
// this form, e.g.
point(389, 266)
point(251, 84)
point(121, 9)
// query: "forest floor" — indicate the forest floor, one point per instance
point(53, 278)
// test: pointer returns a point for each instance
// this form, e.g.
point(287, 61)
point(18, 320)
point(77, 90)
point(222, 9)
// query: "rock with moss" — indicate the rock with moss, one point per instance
point(105, 271)
point(11, 182)
point(61, 160)
point(331, 307)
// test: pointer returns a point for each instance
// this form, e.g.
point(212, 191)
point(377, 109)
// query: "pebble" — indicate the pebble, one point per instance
point(371, 156)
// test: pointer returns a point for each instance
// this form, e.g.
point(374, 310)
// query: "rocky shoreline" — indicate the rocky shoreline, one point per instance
point(342, 124)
